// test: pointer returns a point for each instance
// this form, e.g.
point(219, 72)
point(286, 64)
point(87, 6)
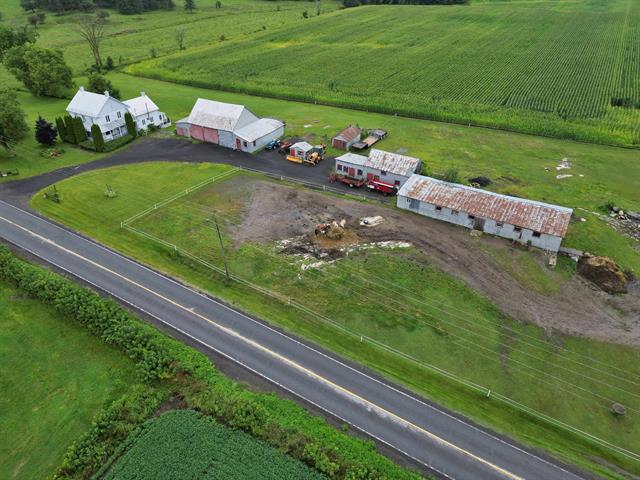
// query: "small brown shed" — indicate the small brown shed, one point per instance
point(346, 138)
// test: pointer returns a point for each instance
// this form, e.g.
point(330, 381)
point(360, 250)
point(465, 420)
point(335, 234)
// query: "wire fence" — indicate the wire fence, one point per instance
point(289, 302)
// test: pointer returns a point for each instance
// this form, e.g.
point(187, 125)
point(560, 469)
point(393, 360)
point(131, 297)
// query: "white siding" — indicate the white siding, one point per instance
point(543, 241)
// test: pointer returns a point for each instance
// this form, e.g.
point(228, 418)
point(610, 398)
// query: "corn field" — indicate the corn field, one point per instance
point(569, 69)
point(184, 444)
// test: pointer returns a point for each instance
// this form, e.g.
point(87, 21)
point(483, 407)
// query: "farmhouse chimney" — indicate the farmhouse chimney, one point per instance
point(106, 93)
point(142, 94)
point(81, 88)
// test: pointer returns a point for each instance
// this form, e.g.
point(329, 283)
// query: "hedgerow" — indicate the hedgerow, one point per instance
point(168, 365)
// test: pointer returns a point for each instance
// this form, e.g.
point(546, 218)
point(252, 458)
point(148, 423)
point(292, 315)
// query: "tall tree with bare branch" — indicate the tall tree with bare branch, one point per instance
point(91, 28)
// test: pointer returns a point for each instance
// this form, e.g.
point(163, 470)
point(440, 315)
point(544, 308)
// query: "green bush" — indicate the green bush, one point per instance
point(78, 130)
point(70, 129)
point(98, 139)
point(131, 125)
point(62, 129)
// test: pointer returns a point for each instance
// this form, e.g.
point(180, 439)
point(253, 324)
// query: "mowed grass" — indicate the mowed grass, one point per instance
point(184, 444)
point(55, 377)
point(550, 67)
point(430, 322)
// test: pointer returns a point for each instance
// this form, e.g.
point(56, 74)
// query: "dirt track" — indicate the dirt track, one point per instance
point(276, 212)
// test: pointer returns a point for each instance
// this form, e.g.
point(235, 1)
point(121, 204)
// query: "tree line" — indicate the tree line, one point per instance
point(356, 3)
point(123, 6)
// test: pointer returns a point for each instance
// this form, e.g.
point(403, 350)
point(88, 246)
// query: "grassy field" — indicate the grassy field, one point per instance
point(492, 350)
point(550, 68)
point(183, 444)
point(54, 378)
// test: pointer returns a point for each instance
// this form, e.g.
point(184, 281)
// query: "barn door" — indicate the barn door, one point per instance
point(352, 172)
point(238, 144)
point(478, 224)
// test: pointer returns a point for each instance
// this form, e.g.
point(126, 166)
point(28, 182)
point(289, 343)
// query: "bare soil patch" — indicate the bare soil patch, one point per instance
point(275, 212)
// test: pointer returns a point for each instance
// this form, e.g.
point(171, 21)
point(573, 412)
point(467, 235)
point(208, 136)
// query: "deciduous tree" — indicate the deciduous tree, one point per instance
point(42, 70)
point(12, 124)
point(91, 28)
point(100, 84)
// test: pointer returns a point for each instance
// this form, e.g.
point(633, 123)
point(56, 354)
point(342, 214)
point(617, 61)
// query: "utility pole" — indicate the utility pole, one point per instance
point(224, 258)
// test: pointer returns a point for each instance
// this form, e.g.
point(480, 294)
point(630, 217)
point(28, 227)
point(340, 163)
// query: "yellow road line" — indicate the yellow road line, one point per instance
point(282, 358)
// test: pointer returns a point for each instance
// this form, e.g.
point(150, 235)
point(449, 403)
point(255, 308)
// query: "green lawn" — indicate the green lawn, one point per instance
point(184, 444)
point(551, 67)
point(501, 347)
point(54, 377)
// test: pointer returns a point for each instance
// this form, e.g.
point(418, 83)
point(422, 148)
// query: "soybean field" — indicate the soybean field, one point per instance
point(184, 444)
point(563, 68)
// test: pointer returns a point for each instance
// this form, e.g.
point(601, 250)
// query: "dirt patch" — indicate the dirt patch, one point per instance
point(275, 212)
point(174, 402)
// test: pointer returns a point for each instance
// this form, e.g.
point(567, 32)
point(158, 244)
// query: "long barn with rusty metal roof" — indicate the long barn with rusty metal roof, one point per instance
point(534, 223)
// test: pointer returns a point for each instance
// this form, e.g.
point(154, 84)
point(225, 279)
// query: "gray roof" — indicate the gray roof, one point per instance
point(392, 162)
point(304, 146)
point(141, 105)
point(259, 129)
point(524, 213)
point(353, 159)
point(89, 103)
point(218, 115)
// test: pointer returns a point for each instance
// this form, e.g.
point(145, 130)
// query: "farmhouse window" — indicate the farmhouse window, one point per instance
point(383, 173)
point(108, 133)
point(151, 118)
point(143, 122)
point(244, 143)
point(107, 117)
point(254, 143)
point(339, 168)
point(471, 217)
point(119, 114)
point(359, 172)
point(438, 209)
point(536, 234)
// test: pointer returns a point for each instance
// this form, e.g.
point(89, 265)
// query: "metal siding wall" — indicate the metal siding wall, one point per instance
point(226, 139)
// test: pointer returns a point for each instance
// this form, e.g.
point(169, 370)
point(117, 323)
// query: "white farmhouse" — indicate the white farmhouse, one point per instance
point(108, 113)
point(101, 109)
point(526, 221)
point(145, 112)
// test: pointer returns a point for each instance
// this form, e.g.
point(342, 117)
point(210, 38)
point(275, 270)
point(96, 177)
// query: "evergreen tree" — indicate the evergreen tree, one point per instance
point(131, 126)
point(62, 129)
point(71, 134)
point(98, 139)
point(189, 5)
point(78, 130)
point(46, 133)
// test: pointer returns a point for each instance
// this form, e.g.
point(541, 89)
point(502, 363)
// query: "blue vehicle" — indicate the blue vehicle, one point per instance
point(273, 144)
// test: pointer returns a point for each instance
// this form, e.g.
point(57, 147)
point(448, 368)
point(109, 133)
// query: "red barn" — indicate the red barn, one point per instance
point(346, 138)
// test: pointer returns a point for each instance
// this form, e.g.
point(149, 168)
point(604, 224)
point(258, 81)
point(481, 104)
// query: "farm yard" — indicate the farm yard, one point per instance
point(558, 68)
point(372, 292)
point(183, 444)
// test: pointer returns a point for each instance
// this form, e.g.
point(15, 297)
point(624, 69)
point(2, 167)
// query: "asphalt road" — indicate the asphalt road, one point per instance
point(449, 445)
point(179, 150)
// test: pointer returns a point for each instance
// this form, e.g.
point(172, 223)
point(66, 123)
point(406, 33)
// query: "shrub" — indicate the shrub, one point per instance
point(79, 132)
point(131, 125)
point(98, 139)
point(70, 129)
point(62, 129)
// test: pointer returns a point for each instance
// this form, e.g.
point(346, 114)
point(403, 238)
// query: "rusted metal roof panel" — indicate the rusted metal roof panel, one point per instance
point(524, 213)
point(392, 162)
point(349, 134)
